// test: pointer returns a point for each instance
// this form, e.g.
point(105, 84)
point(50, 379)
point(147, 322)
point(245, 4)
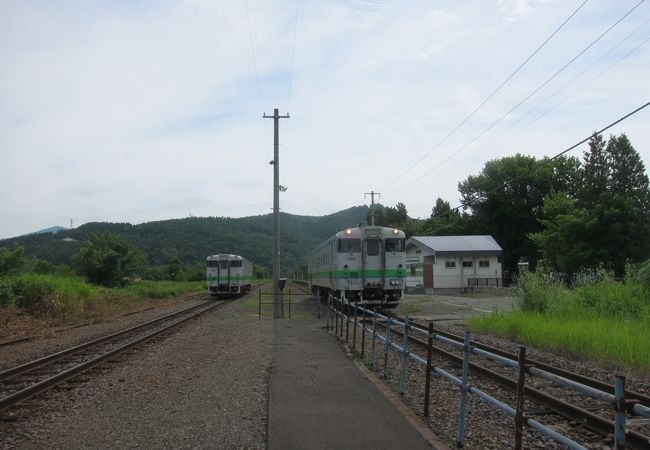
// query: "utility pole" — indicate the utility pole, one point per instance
point(278, 310)
point(372, 205)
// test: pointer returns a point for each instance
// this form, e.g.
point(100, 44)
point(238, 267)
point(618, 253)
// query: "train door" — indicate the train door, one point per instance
point(372, 265)
point(224, 276)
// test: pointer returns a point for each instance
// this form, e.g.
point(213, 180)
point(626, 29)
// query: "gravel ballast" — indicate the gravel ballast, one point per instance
point(202, 386)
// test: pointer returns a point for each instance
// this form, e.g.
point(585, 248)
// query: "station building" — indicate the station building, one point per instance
point(439, 263)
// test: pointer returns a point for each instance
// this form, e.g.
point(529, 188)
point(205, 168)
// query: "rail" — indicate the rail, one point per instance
point(35, 387)
point(618, 401)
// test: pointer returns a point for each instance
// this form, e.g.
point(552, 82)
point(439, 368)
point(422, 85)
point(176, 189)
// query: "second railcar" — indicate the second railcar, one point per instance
point(366, 263)
point(228, 275)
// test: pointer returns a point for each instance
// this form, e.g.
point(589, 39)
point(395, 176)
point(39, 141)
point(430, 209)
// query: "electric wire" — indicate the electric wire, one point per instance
point(503, 83)
point(548, 161)
point(603, 56)
point(480, 135)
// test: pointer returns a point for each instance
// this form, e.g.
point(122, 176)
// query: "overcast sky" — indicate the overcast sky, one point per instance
point(133, 111)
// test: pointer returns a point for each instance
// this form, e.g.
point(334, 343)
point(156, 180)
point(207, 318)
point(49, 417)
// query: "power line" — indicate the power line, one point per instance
point(595, 133)
point(257, 77)
point(603, 56)
point(480, 135)
point(489, 96)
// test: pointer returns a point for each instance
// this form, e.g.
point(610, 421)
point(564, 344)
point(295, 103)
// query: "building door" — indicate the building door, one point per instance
point(427, 275)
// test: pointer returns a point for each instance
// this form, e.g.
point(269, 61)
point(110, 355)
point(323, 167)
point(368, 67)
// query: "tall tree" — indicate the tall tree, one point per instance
point(606, 221)
point(628, 178)
point(506, 200)
point(107, 259)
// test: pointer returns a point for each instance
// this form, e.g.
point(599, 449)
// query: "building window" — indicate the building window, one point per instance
point(467, 263)
point(413, 270)
point(450, 264)
point(485, 263)
point(417, 252)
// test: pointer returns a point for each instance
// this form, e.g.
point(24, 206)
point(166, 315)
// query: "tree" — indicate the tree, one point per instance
point(563, 223)
point(11, 261)
point(506, 199)
point(107, 259)
point(606, 220)
point(386, 216)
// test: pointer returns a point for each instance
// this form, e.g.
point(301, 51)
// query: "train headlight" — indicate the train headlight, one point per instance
point(348, 232)
point(395, 231)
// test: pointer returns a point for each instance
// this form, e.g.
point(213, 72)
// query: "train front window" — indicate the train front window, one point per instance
point(372, 248)
point(213, 263)
point(394, 244)
point(223, 264)
point(235, 263)
point(350, 245)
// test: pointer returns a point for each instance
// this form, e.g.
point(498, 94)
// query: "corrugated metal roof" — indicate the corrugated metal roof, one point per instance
point(458, 243)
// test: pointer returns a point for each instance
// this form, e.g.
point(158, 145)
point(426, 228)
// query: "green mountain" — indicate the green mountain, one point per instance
point(190, 240)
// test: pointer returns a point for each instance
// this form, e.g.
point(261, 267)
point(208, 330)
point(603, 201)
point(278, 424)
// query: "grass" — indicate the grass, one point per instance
point(597, 319)
point(32, 301)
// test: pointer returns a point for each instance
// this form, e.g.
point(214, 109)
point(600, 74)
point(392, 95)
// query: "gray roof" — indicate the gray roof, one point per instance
point(457, 243)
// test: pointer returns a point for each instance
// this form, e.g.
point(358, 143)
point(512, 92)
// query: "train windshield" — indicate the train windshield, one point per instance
point(235, 263)
point(349, 245)
point(223, 264)
point(213, 263)
point(372, 248)
point(394, 244)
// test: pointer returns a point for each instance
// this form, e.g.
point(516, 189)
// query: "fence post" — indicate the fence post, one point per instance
point(336, 318)
point(341, 314)
point(619, 415)
point(427, 383)
point(463, 391)
point(405, 356)
point(519, 411)
point(354, 330)
point(363, 332)
point(374, 333)
point(347, 322)
point(386, 348)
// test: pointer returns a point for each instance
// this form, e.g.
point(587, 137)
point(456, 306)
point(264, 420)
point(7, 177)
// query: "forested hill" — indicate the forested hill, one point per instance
point(190, 240)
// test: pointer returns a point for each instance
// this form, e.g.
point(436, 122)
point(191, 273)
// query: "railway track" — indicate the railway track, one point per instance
point(27, 380)
point(560, 401)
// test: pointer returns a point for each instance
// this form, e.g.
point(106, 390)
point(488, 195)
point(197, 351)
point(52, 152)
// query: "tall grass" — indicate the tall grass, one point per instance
point(596, 318)
point(65, 296)
point(162, 289)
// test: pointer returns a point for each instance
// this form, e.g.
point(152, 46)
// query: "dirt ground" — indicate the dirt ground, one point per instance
point(453, 309)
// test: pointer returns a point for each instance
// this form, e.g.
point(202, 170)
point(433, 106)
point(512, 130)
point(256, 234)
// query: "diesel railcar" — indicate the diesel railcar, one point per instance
point(367, 264)
point(228, 275)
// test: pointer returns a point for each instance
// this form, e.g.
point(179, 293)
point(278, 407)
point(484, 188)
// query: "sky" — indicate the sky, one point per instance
point(135, 111)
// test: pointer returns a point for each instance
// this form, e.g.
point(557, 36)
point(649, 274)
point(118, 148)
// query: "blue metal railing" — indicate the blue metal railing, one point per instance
point(616, 401)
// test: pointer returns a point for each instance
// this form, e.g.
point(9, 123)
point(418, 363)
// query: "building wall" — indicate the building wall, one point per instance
point(453, 271)
point(449, 272)
point(414, 268)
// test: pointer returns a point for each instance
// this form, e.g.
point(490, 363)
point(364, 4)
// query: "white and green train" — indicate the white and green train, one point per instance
point(228, 275)
point(367, 264)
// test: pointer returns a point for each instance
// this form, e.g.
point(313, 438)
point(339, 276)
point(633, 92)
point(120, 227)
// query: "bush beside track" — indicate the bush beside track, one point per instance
point(598, 318)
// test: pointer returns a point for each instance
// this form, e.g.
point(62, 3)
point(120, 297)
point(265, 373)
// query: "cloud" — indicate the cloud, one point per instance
point(138, 111)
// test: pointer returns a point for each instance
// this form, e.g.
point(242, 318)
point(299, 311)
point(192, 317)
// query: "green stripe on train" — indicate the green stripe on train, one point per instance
point(232, 278)
point(353, 274)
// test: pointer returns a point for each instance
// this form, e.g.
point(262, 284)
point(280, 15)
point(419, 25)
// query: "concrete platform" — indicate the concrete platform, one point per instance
point(320, 399)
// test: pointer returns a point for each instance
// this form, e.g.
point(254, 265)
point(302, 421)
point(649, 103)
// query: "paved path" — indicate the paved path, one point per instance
point(318, 398)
